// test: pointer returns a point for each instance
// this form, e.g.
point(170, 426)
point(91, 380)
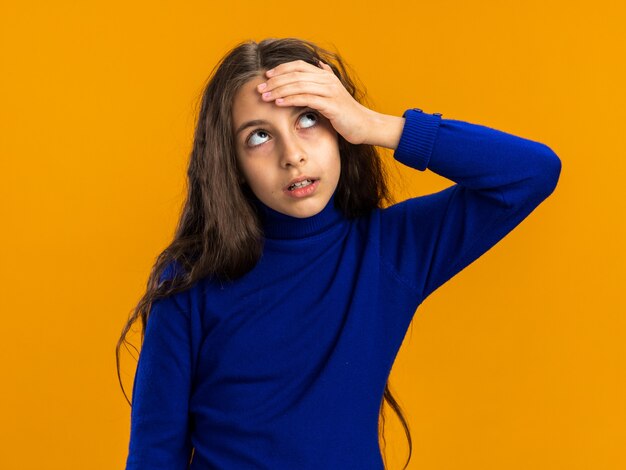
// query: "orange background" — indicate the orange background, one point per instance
point(518, 362)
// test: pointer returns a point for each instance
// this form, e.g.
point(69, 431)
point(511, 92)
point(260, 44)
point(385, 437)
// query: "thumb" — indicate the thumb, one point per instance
point(325, 66)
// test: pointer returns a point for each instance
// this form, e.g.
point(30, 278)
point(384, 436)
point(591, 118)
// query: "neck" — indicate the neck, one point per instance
point(277, 225)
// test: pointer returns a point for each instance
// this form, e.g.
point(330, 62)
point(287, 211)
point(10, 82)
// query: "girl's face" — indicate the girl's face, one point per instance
point(276, 145)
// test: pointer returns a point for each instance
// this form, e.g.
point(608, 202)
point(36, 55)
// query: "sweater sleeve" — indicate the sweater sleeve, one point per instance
point(500, 178)
point(159, 437)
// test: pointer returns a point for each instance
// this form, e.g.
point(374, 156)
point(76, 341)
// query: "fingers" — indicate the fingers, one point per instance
point(271, 93)
point(294, 74)
point(293, 71)
point(326, 67)
point(304, 100)
point(290, 79)
point(299, 83)
point(293, 66)
point(298, 78)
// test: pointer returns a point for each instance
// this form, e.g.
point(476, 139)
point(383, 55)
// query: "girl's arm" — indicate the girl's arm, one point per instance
point(501, 179)
point(159, 437)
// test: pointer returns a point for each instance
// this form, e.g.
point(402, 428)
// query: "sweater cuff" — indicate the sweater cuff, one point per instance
point(417, 139)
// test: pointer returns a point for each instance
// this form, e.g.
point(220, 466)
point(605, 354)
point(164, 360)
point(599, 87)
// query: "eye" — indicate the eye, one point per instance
point(252, 142)
point(259, 136)
point(307, 116)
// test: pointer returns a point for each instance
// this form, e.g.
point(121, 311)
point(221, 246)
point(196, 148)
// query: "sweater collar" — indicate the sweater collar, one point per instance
point(277, 225)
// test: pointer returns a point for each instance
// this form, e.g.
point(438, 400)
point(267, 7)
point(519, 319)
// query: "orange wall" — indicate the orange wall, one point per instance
point(518, 362)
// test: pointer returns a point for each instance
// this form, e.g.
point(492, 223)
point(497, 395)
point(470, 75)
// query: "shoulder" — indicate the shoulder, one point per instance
point(185, 301)
point(423, 205)
point(172, 269)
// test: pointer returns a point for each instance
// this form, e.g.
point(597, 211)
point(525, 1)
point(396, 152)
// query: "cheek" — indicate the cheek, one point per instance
point(338, 168)
point(334, 160)
point(246, 170)
point(256, 173)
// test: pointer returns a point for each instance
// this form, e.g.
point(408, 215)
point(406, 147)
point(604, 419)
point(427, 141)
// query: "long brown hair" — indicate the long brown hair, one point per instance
point(222, 237)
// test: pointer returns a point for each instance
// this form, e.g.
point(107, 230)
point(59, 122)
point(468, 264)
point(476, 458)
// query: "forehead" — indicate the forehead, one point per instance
point(247, 103)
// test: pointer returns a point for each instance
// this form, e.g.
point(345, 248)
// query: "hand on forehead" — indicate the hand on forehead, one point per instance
point(299, 83)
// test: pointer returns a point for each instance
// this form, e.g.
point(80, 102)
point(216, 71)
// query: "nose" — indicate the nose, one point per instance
point(293, 153)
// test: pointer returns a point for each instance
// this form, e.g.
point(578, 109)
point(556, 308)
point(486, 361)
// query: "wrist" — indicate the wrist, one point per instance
point(384, 130)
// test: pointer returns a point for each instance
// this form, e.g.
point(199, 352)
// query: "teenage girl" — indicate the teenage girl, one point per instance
point(271, 322)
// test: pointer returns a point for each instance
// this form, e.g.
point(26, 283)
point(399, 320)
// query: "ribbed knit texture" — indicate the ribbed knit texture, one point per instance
point(279, 226)
point(285, 368)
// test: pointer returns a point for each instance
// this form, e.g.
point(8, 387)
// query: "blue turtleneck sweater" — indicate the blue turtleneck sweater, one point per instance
point(285, 368)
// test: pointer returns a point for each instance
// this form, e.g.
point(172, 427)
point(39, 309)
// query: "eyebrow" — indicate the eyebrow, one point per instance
point(262, 122)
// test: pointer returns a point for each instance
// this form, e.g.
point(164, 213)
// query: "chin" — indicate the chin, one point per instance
point(309, 211)
point(303, 214)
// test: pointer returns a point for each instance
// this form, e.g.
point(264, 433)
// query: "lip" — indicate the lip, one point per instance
point(303, 192)
point(298, 179)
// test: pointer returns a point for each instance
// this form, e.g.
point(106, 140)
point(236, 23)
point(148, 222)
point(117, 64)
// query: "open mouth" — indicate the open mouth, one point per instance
point(301, 184)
